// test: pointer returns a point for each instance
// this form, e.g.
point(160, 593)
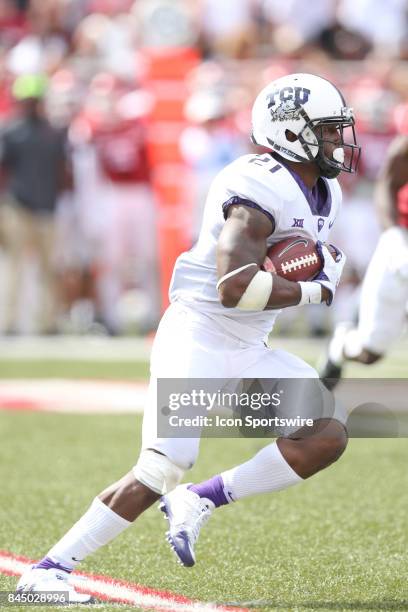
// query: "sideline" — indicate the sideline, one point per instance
point(73, 396)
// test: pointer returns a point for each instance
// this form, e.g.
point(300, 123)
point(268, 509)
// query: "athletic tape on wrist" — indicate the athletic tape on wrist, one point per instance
point(311, 293)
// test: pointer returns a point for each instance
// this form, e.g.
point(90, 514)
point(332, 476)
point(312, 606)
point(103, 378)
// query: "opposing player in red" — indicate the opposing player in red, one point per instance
point(384, 294)
point(222, 307)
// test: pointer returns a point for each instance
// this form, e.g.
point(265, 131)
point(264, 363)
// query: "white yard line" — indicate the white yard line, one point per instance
point(109, 589)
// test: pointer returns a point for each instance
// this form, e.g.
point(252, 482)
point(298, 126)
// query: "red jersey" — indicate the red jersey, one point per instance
point(122, 152)
point(402, 206)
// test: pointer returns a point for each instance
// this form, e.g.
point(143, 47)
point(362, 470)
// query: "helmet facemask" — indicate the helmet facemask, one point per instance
point(346, 155)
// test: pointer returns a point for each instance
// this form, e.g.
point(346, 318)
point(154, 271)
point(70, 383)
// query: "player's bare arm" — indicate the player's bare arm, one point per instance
point(393, 176)
point(243, 242)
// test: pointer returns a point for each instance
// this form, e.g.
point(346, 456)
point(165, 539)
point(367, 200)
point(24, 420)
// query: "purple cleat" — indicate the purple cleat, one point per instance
point(186, 513)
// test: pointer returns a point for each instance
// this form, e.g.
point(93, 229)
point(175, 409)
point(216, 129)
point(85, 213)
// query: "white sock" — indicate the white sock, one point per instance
point(337, 343)
point(98, 526)
point(267, 471)
point(352, 344)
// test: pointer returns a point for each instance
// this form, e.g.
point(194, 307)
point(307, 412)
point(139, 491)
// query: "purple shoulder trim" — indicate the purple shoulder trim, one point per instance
point(243, 202)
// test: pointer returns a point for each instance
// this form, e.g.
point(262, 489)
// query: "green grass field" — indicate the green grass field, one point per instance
point(336, 542)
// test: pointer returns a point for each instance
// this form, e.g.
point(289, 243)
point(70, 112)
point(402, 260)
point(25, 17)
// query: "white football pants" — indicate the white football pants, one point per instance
point(189, 345)
point(384, 294)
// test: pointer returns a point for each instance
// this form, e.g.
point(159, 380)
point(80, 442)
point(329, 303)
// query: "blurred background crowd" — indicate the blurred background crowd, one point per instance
point(116, 114)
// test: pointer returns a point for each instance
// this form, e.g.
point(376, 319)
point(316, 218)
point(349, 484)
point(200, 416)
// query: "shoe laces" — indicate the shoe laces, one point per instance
point(194, 513)
point(201, 516)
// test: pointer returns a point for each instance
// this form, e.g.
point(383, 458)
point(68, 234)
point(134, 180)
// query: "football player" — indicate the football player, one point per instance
point(384, 294)
point(222, 306)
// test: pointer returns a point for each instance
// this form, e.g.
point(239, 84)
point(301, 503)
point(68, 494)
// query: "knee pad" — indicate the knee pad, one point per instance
point(157, 472)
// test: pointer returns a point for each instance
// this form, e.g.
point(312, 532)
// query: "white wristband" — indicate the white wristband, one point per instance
point(311, 293)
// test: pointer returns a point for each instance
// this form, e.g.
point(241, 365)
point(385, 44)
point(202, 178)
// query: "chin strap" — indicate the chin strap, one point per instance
point(326, 170)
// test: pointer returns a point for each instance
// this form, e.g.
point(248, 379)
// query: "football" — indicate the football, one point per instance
point(295, 259)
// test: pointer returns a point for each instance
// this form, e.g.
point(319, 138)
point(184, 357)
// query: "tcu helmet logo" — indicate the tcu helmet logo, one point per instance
point(289, 100)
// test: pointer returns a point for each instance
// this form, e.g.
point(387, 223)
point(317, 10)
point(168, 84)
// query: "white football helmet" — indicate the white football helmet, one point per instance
point(303, 104)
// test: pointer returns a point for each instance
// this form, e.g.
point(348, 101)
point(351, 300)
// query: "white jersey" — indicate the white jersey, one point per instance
point(262, 182)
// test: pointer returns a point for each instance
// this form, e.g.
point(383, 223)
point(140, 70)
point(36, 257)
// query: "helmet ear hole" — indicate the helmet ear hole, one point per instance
point(290, 136)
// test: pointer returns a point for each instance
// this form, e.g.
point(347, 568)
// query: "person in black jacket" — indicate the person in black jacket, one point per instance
point(34, 169)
